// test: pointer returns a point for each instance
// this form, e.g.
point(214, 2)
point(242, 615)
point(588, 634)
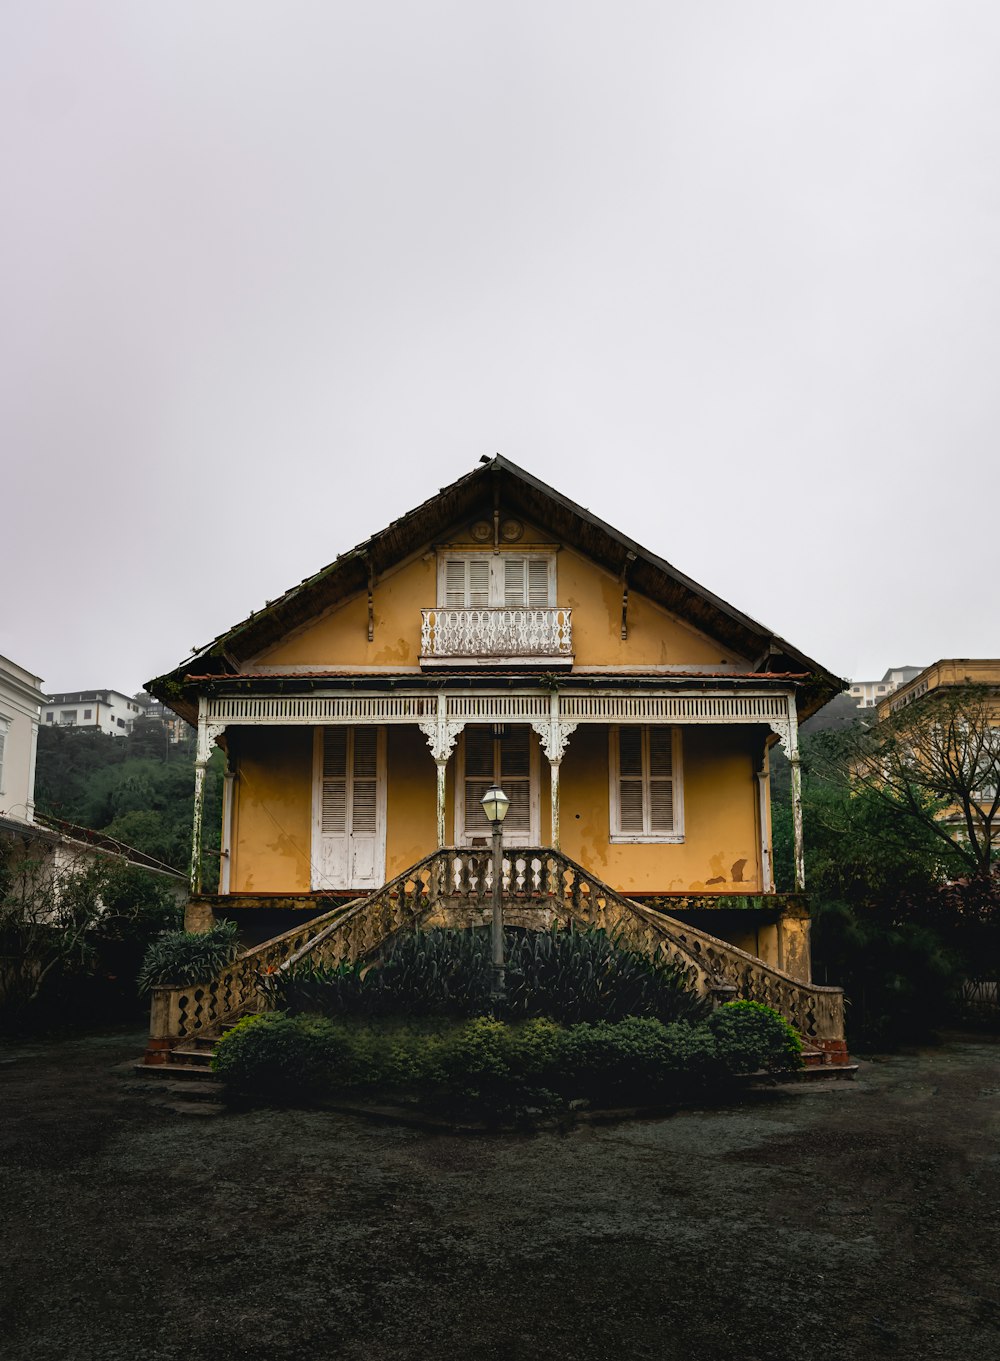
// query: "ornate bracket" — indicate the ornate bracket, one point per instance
point(782, 728)
point(208, 735)
point(553, 735)
point(441, 735)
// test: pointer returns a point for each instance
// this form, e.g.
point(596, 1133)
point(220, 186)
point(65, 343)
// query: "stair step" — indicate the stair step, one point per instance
point(192, 1055)
point(165, 1072)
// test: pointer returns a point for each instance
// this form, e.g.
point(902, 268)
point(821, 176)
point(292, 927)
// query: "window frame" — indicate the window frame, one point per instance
point(615, 835)
point(467, 839)
point(496, 584)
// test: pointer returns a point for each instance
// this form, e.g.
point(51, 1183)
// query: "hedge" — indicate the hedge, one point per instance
point(494, 1067)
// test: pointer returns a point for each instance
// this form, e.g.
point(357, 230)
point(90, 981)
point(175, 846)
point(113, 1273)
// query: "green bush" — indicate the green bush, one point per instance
point(184, 957)
point(275, 1058)
point(490, 1068)
point(570, 976)
point(750, 1036)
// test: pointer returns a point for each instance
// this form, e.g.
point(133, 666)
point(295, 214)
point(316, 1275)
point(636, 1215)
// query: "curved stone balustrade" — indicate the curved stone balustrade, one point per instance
point(541, 888)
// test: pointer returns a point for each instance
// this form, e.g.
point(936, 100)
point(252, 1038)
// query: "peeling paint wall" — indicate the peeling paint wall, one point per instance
point(272, 811)
point(720, 794)
point(340, 638)
point(411, 812)
point(655, 638)
point(272, 816)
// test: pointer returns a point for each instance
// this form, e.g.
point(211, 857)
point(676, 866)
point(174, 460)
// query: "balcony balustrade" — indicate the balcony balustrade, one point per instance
point(482, 635)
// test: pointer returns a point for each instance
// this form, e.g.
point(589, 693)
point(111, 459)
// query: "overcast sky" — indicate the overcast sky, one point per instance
point(271, 273)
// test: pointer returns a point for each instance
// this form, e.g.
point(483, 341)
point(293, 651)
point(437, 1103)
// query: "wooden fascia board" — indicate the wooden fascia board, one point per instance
point(535, 500)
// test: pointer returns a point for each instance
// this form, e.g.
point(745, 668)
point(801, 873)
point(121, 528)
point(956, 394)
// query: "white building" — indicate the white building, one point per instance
point(869, 693)
point(108, 710)
point(54, 848)
point(21, 700)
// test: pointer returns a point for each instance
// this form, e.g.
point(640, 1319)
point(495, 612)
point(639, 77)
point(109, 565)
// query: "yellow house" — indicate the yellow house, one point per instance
point(501, 633)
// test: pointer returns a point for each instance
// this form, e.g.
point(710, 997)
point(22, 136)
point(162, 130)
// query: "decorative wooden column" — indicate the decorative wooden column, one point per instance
point(442, 734)
point(207, 734)
point(763, 804)
point(554, 733)
point(226, 849)
point(787, 729)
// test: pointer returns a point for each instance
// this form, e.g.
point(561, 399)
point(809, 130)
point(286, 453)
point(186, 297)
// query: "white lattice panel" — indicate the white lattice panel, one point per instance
point(498, 708)
point(317, 709)
point(673, 708)
point(483, 707)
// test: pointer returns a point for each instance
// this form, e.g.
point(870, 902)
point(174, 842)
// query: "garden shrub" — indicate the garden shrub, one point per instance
point(751, 1036)
point(274, 1058)
point(567, 975)
point(492, 1069)
point(185, 957)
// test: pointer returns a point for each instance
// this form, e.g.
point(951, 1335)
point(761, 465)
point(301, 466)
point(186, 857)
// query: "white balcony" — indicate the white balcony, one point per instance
point(495, 636)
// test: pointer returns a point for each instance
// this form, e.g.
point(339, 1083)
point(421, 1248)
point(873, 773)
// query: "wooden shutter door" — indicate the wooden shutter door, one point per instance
point(364, 809)
point(506, 761)
point(331, 854)
point(351, 849)
point(514, 771)
point(525, 581)
point(478, 778)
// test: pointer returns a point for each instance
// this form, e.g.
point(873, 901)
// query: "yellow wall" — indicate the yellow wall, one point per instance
point(272, 812)
point(272, 806)
point(411, 809)
point(720, 818)
point(340, 638)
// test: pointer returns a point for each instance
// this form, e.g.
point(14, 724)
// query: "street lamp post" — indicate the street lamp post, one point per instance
point(495, 804)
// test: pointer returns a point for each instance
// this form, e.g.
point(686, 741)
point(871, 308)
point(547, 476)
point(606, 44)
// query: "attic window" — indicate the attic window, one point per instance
point(496, 580)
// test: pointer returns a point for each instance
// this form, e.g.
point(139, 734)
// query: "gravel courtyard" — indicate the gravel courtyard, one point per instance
point(846, 1220)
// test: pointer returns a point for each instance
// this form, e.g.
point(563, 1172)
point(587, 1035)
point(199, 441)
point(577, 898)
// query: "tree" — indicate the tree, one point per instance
point(71, 917)
point(936, 763)
point(140, 792)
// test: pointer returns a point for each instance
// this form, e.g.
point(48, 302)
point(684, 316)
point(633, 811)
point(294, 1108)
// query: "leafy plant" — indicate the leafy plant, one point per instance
point(180, 957)
point(750, 1036)
point(486, 1067)
point(72, 934)
point(568, 975)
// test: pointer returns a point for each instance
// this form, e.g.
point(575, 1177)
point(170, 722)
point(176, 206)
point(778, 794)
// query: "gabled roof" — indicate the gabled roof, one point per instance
point(498, 481)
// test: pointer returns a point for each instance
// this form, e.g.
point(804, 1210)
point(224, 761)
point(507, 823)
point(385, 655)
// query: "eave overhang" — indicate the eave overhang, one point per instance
point(320, 683)
point(519, 493)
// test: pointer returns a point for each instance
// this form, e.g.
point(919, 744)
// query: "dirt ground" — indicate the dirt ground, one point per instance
point(851, 1220)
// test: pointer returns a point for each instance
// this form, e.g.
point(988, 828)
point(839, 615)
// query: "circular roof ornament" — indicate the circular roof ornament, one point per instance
point(511, 531)
point(482, 531)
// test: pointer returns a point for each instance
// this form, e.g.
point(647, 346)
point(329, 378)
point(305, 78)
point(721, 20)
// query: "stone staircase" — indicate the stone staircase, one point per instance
point(541, 888)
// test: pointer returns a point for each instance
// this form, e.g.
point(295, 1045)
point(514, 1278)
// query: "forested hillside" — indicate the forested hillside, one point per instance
point(139, 788)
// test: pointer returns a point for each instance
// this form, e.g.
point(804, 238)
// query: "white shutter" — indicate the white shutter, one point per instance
point(485, 580)
point(646, 807)
point(454, 583)
point(514, 593)
point(525, 580)
point(479, 583)
point(630, 801)
point(334, 797)
point(661, 781)
point(3, 739)
point(538, 582)
point(364, 792)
